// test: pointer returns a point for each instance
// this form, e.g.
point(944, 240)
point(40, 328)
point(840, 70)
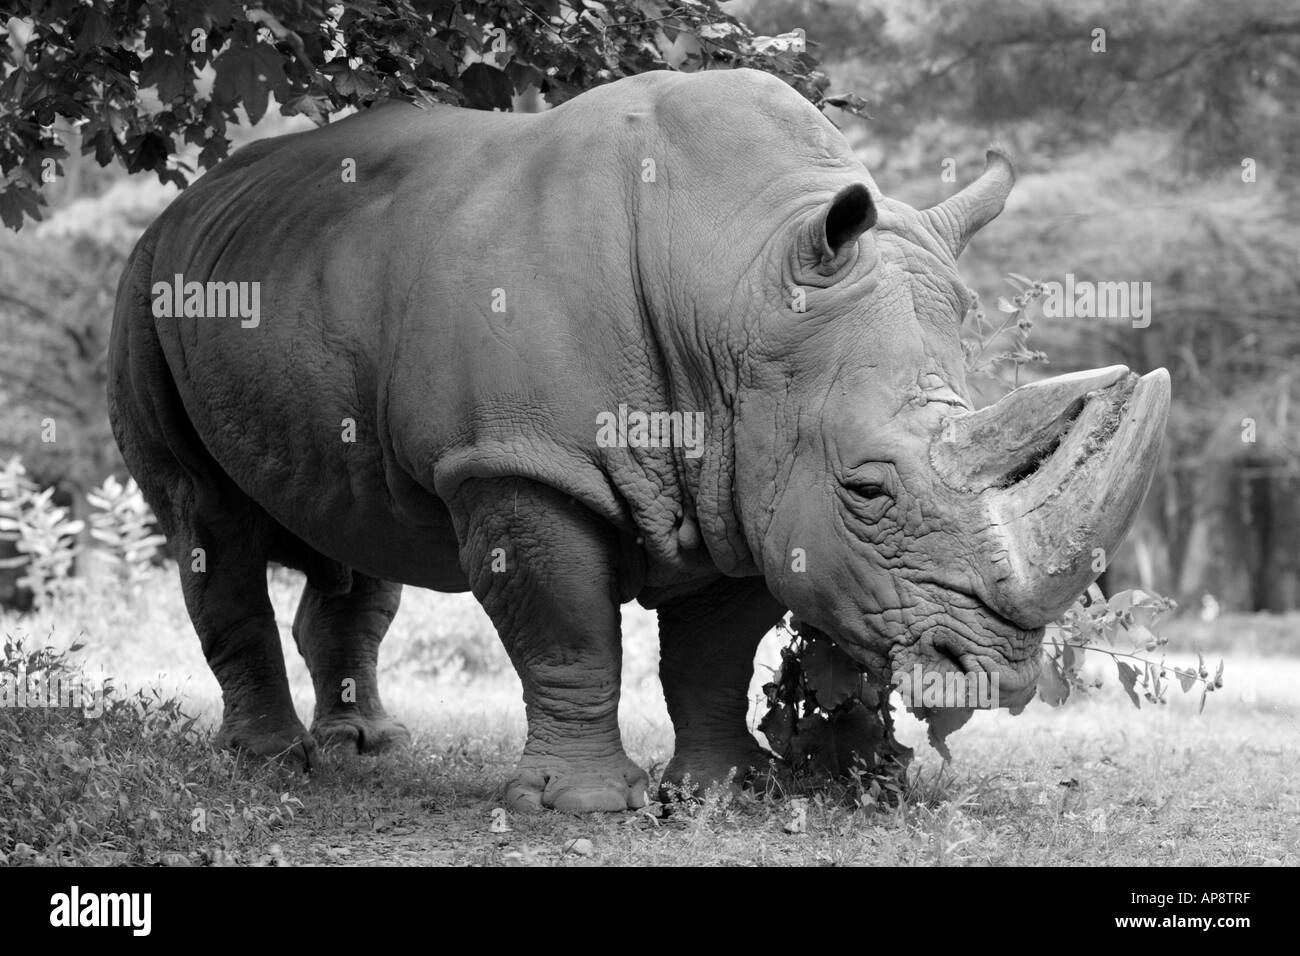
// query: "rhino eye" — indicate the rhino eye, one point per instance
point(870, 481)
point(867, 498)
point(869, 491)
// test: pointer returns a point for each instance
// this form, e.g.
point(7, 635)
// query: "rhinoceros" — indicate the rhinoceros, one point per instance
point(666, 342)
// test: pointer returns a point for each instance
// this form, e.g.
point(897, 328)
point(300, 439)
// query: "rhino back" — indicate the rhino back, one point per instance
point(376, 307)
point(380, 298)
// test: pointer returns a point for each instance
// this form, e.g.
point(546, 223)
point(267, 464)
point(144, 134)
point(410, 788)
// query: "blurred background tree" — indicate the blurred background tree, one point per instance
point(1156, 143)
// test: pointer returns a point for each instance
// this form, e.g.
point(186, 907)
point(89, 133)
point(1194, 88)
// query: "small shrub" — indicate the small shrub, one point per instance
point(123, 524)
point(130, 781)
point(1126, 618)
point(42, 533)
point(826, 717)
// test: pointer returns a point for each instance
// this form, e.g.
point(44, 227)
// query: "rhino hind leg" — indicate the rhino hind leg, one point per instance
point(552, 592)
point(338, 634)
point(221, 540)
point(707, 643)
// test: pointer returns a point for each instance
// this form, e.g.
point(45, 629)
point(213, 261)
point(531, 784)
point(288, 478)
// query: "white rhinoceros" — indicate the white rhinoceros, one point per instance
point(666, 342)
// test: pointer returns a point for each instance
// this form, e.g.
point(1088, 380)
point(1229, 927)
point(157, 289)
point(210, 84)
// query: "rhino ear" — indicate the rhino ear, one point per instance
point(829, 241)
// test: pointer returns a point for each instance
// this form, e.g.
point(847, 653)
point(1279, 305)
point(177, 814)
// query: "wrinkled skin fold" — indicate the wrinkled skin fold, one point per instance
point(420, 403)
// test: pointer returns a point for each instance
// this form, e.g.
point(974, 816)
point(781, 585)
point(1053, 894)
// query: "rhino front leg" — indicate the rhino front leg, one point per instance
point(706, 660)
point(338, 635)
point(545, 570)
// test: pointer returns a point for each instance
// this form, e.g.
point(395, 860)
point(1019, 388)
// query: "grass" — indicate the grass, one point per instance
point(1095, 782)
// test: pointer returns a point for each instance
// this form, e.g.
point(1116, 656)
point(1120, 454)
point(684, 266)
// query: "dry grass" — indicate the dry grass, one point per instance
point(1092, 783)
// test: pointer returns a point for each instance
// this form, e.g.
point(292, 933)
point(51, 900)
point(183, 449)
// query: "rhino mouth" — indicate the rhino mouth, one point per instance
point(990, 651)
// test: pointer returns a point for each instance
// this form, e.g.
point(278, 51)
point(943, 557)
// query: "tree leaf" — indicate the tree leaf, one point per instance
point(856, 731)
point(809, 740)
point(1128, 676)
point(522, 76)
point(15, 201)
point(247, 75)
point(214, 151)
point(777, 726)
point(486, 87)
point(167, 73)
point(1186, 678)
point(91, 29)
point(315, 108)
point(944, 721)
point(832, 674)
point(849, 102)
point(1052, 687)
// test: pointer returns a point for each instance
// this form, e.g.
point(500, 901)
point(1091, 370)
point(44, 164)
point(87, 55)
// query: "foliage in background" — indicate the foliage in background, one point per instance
point(41, 533)
point(56, 300)
point(124, 525)
point(88, 62)
point(45, 540)
point(1213, 76)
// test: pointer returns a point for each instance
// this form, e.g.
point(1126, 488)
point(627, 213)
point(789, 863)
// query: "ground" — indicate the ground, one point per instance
point(1094, 782)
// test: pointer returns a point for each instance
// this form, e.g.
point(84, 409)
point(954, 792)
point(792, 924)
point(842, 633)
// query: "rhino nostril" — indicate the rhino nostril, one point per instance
point(1029, 468)
point(946, 652)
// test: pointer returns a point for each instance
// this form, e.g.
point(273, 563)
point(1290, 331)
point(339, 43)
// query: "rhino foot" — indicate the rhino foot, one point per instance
point(743, 765)
point(354, 733)
point(288, 743)
point(612, 788)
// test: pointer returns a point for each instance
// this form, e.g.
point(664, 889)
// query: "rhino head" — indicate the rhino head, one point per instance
point(884, 509)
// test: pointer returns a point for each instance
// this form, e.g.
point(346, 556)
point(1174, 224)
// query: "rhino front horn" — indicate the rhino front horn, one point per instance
point(1062, 466)
point(959, 217)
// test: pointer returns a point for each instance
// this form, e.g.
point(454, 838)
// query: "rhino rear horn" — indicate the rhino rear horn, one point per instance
point(960, 216)
point(828, 242)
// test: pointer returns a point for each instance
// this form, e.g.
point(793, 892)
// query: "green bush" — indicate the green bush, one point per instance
point(118, 780)
point(46, 541)
point(42, 533)
point(123, 524)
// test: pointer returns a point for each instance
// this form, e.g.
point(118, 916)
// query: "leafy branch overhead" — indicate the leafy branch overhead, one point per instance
point(141, 80)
